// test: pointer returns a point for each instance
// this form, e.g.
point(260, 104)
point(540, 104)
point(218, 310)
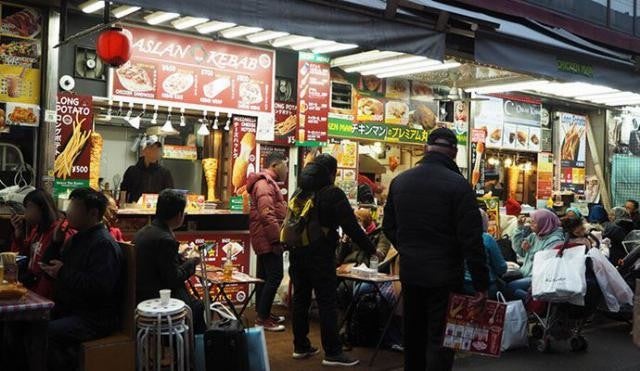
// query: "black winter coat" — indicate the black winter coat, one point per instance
point(432, 219)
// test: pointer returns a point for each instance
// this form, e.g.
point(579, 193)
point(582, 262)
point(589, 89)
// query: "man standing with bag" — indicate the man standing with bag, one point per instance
point(268, 210)
point(432, 219)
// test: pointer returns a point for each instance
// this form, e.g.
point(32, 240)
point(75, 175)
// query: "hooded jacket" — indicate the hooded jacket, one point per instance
point(268, 210)
point(433, 220)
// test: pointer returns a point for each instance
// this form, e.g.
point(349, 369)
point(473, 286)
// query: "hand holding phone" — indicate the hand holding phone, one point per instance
point(17, 221)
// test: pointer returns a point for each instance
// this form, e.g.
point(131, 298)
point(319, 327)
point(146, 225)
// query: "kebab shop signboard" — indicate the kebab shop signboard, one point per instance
point(72, 141)
point(314, 86)
point(180, 69)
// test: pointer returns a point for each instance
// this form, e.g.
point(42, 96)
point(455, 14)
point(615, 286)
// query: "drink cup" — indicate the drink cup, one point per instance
point(165, 295)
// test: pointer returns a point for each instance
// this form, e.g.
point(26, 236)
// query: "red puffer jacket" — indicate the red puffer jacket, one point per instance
point(268, 210)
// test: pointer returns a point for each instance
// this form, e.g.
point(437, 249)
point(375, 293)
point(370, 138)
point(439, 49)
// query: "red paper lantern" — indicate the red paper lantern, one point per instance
point(114, 46)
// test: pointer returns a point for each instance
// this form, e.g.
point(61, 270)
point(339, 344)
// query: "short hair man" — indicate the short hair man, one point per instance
point(147, 175)
point(268, 210)
point(88, 275)
point(159, 264)
point(632, 208)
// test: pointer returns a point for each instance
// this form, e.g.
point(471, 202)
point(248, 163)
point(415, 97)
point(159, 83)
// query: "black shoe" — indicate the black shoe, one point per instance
point(304, 354)
point(341, 360)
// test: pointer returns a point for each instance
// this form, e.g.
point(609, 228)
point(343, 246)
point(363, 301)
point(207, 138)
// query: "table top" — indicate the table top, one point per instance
point(30, 302)
point(153, 307)
point(375, 278)
point(216, 277)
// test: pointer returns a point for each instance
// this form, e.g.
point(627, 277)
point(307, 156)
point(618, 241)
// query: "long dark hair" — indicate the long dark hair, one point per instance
point(44, 202)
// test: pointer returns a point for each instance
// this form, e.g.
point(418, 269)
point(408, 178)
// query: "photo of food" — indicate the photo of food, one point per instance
point(371, 84)
point(137, 77)
point(21, 114)
point(571, 142)
point(286, 126)
point(522, 138)
point(496, 135)
point(250, 93)
point(217, 86)
point(20, 52)
point(509, 136)
point(534, 139)
point(397, 89)
point(178, 83)
point(421, 91)
point(3, 123)
point(370, 109)
point(23, 22)
point(422, 117)
point(396, 112)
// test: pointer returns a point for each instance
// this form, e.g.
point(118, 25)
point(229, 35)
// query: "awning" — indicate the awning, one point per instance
point(313, 19)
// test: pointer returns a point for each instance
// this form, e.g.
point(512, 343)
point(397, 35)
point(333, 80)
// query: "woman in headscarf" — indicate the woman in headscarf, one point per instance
point(495, 261)
point(544, 233)
point(621, 217)
point(574, 212)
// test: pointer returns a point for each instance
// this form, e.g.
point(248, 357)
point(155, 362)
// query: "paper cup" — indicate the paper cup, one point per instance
point(165, 295)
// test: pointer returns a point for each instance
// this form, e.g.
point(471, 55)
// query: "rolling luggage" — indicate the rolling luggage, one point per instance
point(225, 346)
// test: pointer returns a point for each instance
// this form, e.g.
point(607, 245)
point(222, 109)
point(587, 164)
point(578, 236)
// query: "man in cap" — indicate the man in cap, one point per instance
point(147, 176)
point(433, 220)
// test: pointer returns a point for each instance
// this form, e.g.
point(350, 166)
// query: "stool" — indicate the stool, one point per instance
point(172, 323)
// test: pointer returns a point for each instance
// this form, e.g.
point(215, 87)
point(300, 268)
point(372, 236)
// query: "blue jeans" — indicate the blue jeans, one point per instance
point(519, 289)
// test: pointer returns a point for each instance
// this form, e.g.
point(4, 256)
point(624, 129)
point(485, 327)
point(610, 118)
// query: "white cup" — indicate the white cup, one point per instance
point(165, 295)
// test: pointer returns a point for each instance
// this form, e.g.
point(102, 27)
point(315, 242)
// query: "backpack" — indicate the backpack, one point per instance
point(364, 328)
point(301, 226)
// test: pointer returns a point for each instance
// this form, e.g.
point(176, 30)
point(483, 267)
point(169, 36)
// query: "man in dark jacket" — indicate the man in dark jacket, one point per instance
point(268, 210)
point(158, 264)
point(313, 268)
point(432, 219)
point(88, 276)
point(146, 176)
point(634, 212)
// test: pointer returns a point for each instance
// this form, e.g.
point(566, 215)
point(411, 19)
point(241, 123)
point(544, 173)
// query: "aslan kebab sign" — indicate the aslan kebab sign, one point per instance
point(169, 67)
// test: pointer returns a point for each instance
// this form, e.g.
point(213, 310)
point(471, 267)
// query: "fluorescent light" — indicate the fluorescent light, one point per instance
point(124, 10)
point(213, 26)
point(289, 40)
point(573, 89)
point(160, 17)
point(387, 63)
point(629, 96)
point(616, 94)
point(501, 88)
point(438, 67)
point(370, 56)
point(408, 66)
point(624, 102)
point(334, 48)
point(312, 44)
point(91, 6)
point(186, 22)
point(261, 37)
point(239, 31)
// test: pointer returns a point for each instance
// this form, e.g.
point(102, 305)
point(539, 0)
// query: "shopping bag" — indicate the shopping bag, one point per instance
point(614, 288)
point(559, 276)
point(258, 355)
point(516, 321)
point(472, 329)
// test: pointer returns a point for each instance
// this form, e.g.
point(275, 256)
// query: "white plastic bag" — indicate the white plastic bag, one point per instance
point(614, 289)
point(560, 278)
point(516, 331)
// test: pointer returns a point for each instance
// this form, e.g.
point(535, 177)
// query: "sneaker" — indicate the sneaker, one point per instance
point(277, 319)
point(341, 360)
point(397, 348)
point(269, 325)
point(308, 353)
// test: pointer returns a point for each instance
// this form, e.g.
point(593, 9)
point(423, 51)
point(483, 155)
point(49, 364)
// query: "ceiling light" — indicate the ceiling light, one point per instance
point(91, 6)
point(203, 130)
point(437, 67)
point(129, 112)
point(573, 89)
point(502, 88)
point(408, 66)
point(124, 10)
point(405, 59)
point(183, 121)
point(289, 40)
point(160, 17)
point(228, 124)
point(334, 48)
point(215, 122)
point(186, 22)
point(369, 56)
point(213, 26)
point(312, 44)
point(168, 127)
point(154, 119)
point(239, 31)
point(263, 36)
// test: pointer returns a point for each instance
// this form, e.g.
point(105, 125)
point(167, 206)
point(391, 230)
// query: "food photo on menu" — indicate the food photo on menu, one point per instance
point(19, 21)
point(137, 77)
point(178, 83)
point(22, 114)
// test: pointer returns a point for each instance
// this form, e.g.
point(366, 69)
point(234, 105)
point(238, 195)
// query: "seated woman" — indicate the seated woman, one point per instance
point(544, 233)
point(575, 232)
point(366, 220)
point(496, 263)
point(621, 217)
point(611, 230)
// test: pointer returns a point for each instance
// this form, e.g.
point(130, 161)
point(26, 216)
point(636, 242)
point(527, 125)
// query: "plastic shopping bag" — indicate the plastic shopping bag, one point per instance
point(516, 331)
point(258, 356)
point(614, 289)
point(559, 277)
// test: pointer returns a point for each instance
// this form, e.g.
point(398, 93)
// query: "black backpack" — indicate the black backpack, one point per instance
point(506, 248)
point(301, 226)
point(364, 327)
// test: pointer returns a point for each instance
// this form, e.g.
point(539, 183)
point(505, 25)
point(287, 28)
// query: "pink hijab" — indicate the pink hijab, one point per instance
point(546, 220)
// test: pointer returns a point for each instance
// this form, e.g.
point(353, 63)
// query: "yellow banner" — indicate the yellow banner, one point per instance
point(19, 84)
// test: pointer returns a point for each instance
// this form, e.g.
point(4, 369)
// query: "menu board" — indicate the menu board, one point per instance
point(473, 330)
point(265, 151)
point(544, 188)
point(478, 140)
point(492, 207)
point(346, 154)
point(314, 86)
point(243, 152)
point(573, 179)
point(286, 123)
point(572, 140)
point(20, 63)
point(176, 68)
point(72, 140)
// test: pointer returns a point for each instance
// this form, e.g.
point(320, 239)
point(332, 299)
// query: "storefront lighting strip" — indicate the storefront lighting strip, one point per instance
point(263, 36)
point(410, 66)
point(160, 17)
point(594, 97)
point(214, 26)
point(572, 89)
point(502, 88)
point(312, 44)
point(124, 10)
point(629, 102)
point(239, 31)
point(370, 56)
point(334, 48)
point(405, 59)
point(629, 97)
point(187, 22)
point(91, 6)
point(290, 40)
point(438, 67)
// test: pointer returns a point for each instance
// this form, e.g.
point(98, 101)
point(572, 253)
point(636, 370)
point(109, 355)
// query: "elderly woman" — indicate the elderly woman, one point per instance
point(544, 233)
point(621, 217)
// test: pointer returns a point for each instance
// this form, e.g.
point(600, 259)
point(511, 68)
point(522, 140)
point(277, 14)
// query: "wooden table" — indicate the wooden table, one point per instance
point(375, 280)
point(35, 310)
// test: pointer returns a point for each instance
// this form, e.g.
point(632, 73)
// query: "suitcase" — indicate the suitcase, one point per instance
point(225, 346)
